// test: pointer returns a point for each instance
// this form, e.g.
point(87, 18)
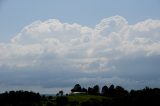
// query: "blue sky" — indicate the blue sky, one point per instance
point(19, 13)
point(49, 45)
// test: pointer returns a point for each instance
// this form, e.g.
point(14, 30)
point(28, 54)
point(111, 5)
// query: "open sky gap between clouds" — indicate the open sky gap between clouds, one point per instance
point(55, 54)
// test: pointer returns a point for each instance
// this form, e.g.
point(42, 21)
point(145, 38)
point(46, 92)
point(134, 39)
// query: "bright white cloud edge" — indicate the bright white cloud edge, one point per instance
point(56, 47)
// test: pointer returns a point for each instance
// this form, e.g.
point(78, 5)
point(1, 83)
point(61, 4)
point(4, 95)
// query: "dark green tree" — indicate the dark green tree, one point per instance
point(61, 93)
point(77, 88)
point(111, 90)
point(84, 90)
point(120, 91)
point(96, 89)
point(90, 90)
point(104, 90)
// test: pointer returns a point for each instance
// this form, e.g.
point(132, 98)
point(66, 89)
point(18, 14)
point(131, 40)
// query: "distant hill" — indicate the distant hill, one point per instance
point(47, 95)
point(113, 96)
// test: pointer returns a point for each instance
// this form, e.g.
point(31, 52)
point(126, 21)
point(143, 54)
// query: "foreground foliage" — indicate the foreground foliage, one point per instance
point(113, 97)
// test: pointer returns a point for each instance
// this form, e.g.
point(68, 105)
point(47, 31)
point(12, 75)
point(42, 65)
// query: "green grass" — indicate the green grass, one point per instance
point(83, 98)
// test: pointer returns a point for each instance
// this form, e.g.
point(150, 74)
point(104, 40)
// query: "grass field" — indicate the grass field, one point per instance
point(83, 98)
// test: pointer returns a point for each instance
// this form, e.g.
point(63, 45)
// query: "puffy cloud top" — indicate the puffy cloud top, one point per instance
point(52, 44)
point(111, 39)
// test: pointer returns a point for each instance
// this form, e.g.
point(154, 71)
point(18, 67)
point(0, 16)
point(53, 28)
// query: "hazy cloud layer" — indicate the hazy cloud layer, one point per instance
point(54, 54)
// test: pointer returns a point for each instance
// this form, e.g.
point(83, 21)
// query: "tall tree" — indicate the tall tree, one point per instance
point(61, 93)
point(96, 89)
point(111, 90)
point(104, 90)
point(120, 91)
point(90, 90)
point(77, 88)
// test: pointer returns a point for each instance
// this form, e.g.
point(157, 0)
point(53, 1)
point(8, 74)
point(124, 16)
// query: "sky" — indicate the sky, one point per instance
point(50, 45)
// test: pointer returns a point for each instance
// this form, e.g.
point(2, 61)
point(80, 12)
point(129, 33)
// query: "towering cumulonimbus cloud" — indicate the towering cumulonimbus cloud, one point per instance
point(113, 47)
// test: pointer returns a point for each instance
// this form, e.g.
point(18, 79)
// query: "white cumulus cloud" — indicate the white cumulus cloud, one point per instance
point(63, 47)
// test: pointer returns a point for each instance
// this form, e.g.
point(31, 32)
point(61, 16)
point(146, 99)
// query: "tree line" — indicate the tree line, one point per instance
point(19, 98)
point(105, 91)
point(106, 96)
point(117, 95)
